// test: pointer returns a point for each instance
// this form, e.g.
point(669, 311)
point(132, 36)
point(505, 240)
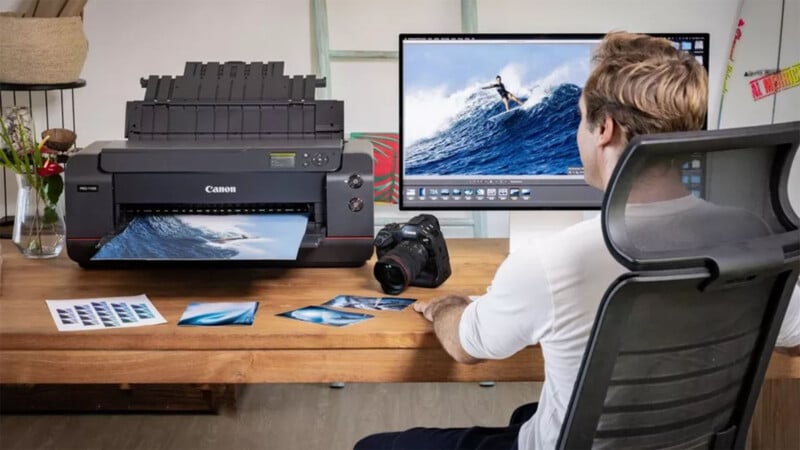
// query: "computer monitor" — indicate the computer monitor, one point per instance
point(461, 148)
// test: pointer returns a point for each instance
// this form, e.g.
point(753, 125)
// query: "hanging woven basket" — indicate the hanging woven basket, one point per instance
point(41, 50)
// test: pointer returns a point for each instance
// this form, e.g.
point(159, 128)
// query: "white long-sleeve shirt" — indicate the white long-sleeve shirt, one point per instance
point(549, 293)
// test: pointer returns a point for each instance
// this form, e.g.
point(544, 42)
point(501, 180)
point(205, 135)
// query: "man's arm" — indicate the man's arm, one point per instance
point(516, 311)
point(788, 341)
point(445, 313)
point(791, 351)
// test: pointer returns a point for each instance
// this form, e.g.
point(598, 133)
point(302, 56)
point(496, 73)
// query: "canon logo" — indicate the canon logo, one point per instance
point(220, 189)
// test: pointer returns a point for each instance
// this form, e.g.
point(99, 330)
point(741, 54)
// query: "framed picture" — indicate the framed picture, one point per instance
point(386, 157)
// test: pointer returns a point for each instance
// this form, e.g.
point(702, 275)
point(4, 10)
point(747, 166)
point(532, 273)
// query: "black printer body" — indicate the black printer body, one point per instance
point(229, 138)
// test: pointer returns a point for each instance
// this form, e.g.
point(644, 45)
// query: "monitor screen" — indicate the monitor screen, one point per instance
point(490, 121)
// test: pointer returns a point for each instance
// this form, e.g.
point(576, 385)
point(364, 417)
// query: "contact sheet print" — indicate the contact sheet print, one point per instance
point(102, 313)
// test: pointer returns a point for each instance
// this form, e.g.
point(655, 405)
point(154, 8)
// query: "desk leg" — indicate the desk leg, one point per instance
point(777, 415)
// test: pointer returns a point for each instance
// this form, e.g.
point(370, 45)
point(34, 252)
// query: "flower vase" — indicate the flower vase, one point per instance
point(39, 224)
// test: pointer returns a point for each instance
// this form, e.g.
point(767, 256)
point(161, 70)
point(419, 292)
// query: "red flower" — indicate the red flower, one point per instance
point(49, 168)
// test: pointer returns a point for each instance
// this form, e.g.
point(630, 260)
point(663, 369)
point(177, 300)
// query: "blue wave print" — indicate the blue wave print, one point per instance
point(325, 316)
point(371, 303)
point(538, 139)
point(206, 314)
point(207, 237)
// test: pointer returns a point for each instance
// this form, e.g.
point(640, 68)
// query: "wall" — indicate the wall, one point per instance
point(129, 39)
point(134, 38)
point(759, 48)
point(376, 27)
point(379, 22)
point(370, 89)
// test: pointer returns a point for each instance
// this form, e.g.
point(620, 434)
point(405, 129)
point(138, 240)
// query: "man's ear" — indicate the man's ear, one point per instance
point(605, 134)
point(608, 148)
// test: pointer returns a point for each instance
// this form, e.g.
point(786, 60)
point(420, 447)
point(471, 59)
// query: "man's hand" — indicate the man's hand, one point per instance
point(425, 309)
point(429, 309)
point(445, 313)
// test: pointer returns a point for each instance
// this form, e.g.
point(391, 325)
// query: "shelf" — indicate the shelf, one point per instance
point(50, 115)
point(79, 83)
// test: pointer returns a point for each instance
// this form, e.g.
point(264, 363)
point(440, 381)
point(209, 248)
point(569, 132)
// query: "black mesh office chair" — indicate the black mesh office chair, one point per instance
point(680, 344)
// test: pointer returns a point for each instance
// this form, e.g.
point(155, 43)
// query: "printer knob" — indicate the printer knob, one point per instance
point(355, 204)
point(355, 181)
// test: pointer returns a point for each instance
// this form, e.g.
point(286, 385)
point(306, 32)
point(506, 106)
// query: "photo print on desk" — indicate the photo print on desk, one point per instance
point(102, 313)
point(221, 313)
point(207, 238)
point(325, 316)
point(370, 303)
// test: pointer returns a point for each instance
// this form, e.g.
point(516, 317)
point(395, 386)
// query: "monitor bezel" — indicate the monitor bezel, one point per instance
point(507, 205)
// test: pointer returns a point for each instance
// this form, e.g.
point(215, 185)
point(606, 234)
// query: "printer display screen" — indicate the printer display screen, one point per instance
point(284, 160)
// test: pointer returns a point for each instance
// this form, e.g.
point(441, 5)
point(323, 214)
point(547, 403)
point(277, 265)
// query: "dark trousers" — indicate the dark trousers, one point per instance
point(475, 438)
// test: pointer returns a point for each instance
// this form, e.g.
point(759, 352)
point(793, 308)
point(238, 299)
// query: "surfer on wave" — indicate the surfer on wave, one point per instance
point(504, 94)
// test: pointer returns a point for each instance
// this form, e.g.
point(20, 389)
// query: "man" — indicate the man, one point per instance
point(548, 294)
point(504, 94)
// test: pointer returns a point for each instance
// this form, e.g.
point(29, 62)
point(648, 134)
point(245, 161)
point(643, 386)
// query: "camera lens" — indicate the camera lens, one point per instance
point(391, 276)
point(398, 268)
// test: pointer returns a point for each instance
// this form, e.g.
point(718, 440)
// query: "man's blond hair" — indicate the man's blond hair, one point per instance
point(646, 86)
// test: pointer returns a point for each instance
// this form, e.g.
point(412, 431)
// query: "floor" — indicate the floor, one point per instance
point(280, 417)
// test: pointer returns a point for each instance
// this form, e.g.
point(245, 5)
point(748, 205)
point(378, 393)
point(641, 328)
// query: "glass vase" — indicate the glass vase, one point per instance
point(39, 224)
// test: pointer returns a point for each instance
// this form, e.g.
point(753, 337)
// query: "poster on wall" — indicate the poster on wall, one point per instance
point(386, 157)
point(772, 82)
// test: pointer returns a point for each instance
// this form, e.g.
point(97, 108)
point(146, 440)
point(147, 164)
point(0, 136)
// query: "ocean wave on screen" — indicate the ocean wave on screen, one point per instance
point(539, 139)
point(453, 135)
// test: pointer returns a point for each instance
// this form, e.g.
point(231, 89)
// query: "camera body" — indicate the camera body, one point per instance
point(412, 253)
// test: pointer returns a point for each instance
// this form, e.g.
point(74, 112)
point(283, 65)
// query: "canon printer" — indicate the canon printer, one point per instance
point(230, 138)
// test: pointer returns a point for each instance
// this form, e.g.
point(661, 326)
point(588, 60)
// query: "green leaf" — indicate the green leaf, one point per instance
point(50, 215)
point(53, 187)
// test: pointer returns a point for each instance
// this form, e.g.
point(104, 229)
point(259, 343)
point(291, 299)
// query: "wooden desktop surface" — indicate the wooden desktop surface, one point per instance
point(392, 347)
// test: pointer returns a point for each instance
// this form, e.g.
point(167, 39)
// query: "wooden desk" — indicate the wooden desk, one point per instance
point(392, 347)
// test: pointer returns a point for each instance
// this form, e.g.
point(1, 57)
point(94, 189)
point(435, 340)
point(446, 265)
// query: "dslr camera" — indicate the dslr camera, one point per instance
point(412, 253)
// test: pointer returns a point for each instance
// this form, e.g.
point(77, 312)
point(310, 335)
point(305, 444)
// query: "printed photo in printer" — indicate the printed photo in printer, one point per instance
point(207, 237)
point(455, 121)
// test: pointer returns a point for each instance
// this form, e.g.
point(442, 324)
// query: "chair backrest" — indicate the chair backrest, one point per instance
point(680, 344)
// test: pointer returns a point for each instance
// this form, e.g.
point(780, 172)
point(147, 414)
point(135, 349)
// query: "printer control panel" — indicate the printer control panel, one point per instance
point(319, 159)
point(315, 160)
